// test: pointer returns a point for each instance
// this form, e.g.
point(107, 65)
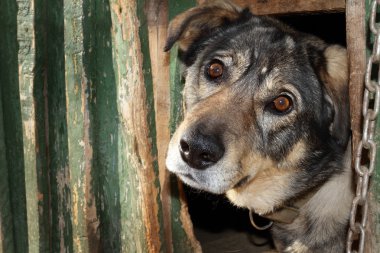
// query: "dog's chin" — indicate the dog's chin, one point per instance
point(191, 181)
point(209, 180)
point(198, 182)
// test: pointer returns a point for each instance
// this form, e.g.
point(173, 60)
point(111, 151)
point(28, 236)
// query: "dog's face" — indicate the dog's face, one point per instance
point(265, 106)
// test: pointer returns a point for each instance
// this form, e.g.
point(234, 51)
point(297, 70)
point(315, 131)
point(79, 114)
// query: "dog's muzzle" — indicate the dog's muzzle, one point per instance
point(200, 150)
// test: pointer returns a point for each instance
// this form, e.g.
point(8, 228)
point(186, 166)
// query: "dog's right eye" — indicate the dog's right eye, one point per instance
point(282, 104)
point(215, 69)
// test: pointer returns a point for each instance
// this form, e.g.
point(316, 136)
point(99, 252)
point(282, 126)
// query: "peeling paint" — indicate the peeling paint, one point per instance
point(75, 205)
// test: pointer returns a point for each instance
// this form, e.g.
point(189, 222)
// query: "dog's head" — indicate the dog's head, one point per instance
point(266, 107)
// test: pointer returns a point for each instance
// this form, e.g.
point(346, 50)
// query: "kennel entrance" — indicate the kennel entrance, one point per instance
point(86, 115)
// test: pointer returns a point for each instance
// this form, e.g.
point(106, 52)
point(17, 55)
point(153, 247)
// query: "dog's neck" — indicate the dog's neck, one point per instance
point(324, 211)
point(290, 211)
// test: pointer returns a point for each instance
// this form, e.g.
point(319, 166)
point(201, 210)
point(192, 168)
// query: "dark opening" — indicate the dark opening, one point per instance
point(221, 227)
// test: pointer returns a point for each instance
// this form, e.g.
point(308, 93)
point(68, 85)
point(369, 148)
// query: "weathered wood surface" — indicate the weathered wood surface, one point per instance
point(82, 162)
point(60, 200)
point(30, 88)
point(12, 200)
point(6, 216)
point(267, 7)
point(157, 18)
point(138, 174)
point(80, 152)
point(356, 50)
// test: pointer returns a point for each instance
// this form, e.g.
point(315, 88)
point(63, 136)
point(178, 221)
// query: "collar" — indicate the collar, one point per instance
point(285, 214)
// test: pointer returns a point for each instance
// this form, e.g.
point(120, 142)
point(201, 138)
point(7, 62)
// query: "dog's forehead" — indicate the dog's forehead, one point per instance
point(254, 37)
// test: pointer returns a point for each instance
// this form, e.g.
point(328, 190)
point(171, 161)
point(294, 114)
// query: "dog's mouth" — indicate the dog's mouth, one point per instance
point(186, 175)
point(241, 182)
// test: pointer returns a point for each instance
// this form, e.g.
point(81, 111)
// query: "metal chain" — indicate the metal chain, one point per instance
point(366, 150)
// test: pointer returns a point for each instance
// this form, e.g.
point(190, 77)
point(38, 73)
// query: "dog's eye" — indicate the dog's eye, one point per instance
point(215, 69)
point(282, 104)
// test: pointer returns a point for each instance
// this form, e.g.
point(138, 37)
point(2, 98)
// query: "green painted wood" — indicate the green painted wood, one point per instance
point(41, 125)
point(136, 142)
point(98, 66)
point(80, 152)
point(123, 40)
point(12, 125)
point(78, 147)
point(26, 66)
point(8, 75)
point(61, 228)
point(6, 217)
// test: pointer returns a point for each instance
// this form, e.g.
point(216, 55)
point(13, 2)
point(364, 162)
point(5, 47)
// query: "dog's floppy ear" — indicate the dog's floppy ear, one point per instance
point(335, 78)
point(198, 21)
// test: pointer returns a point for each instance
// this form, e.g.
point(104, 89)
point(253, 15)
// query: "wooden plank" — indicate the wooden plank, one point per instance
point(104, 125)
point(151, 196)
point(12, 203)
point(61, 232)
point(6, 217)
point(140, 210)
point(356, 50)
point(41, 123)
point(157, 17)
point(26, 58)
point(80, 151)
point(266, 7)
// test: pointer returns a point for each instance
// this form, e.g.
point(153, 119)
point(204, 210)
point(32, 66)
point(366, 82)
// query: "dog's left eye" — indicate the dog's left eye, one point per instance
point(215, 69)
point(282, 104)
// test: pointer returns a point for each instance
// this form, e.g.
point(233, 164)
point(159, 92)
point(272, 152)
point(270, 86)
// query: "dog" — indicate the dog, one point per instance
point(266, 122)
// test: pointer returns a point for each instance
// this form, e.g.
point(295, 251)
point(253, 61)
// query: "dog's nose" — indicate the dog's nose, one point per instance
point(200, 151)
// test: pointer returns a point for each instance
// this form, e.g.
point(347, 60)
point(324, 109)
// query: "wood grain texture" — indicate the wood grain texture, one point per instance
point(6, 216)
point(61, 231)
point(356, 50)
point(140, 221)
point(265, 7)
point(12, 201)
point(80, 151)
point(157, 13)
point(26, 66)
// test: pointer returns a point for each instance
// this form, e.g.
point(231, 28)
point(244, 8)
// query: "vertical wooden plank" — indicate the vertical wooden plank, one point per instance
point(356, 49)
point(57, 140)
point(98, 65)
point(123, 39)
point(41, 124)
point(6, 217)
point(8, 136)
point(140, 211)
point(151, 196)
point(26, 59)
point(80, 152)
point(158, 18)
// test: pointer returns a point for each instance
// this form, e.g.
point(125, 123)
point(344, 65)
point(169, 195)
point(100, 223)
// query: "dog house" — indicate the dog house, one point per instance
point(88, 101)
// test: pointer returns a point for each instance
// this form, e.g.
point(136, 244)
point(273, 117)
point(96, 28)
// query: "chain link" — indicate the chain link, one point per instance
point(366, 150)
